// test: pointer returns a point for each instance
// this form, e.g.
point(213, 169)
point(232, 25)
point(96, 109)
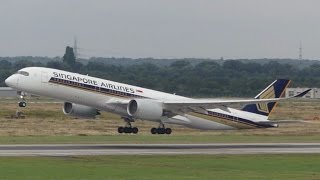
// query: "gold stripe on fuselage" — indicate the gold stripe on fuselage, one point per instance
point(233, 123)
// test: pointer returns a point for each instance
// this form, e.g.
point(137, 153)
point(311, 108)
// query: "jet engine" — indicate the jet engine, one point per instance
point(145, 109)
point(79, 111)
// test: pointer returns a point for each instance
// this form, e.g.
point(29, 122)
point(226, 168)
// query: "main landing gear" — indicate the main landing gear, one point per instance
point(161, 130)
point(128, 128)
point(22, 103)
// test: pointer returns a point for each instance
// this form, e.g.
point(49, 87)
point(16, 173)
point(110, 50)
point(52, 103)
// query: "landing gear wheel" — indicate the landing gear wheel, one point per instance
point(22, 104)
point(120, 130)
point(153, 130)
point(135, 130)
point(128, 130)
point(168, 130)
point(160, 130)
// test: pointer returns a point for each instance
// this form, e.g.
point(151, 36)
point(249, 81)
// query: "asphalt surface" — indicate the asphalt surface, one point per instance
point(157, 149)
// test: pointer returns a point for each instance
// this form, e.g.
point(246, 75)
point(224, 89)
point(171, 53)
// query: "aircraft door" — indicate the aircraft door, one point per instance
point(44, 77)
point(18, 81)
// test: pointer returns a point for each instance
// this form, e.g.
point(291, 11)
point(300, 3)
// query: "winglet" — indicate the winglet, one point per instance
point(303, 93)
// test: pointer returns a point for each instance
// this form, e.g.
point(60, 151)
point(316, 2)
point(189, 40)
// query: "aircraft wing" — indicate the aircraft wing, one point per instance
point(173, 108)
point(198, 104)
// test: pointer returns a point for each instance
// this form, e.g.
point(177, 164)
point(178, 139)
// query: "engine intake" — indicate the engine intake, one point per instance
point(145, 109)
point(79, 111)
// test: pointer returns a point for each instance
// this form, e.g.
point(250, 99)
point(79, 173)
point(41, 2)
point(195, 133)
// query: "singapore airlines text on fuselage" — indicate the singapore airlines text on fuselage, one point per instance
point(93, 82)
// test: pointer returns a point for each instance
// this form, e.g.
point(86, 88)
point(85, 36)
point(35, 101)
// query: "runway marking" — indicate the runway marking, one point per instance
point(156, 149)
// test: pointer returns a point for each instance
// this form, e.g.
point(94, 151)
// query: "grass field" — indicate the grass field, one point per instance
point(45, 123)
point(172, 139)
point(162, 167)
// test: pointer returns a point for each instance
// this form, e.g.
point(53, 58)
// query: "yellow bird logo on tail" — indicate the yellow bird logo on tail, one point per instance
point(268, 94)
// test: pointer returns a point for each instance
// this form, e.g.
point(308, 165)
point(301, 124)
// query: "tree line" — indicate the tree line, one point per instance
point(232, 78)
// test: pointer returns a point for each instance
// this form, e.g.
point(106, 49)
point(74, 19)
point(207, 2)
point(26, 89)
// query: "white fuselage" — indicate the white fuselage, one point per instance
point(106, 95)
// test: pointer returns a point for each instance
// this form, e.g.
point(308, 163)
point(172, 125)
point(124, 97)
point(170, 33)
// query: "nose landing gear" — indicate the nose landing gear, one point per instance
point(22, 103)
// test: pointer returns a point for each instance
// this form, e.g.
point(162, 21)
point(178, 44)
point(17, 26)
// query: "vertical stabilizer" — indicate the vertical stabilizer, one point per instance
point(275, 90)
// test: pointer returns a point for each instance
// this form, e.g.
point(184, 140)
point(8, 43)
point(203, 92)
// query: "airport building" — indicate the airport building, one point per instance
point(7, 92)
point(314, 93)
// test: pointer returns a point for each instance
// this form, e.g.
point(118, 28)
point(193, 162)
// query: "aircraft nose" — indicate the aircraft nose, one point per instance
point(10, 81)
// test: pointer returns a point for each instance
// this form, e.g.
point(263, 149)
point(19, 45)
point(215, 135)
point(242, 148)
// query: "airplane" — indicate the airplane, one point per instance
point(85, 96)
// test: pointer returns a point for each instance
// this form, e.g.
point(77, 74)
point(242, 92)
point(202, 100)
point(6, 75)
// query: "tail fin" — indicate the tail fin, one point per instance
point(274, 90)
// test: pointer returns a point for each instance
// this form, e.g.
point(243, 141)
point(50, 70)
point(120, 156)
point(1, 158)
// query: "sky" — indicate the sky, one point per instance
point(161, 28)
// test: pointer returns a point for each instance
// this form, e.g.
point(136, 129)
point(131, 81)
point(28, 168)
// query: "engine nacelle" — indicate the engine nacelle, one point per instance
point(145, 109)
point(79, 111)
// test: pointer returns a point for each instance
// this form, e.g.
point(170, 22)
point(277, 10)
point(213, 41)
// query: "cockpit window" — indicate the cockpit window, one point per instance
point(23, 73)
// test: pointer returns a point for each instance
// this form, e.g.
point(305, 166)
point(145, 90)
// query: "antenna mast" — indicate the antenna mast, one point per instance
point(300, 51)
point(75, 48)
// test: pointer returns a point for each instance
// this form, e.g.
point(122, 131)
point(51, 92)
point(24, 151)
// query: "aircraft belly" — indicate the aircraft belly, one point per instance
point(233, 124)
point(198, 123)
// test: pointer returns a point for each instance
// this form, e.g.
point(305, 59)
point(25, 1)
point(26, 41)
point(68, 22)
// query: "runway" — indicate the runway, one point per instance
point(156, 149)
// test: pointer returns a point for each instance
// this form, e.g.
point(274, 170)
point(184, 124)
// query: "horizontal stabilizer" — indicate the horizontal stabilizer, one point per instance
point(282, 122)
point(303, 93)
